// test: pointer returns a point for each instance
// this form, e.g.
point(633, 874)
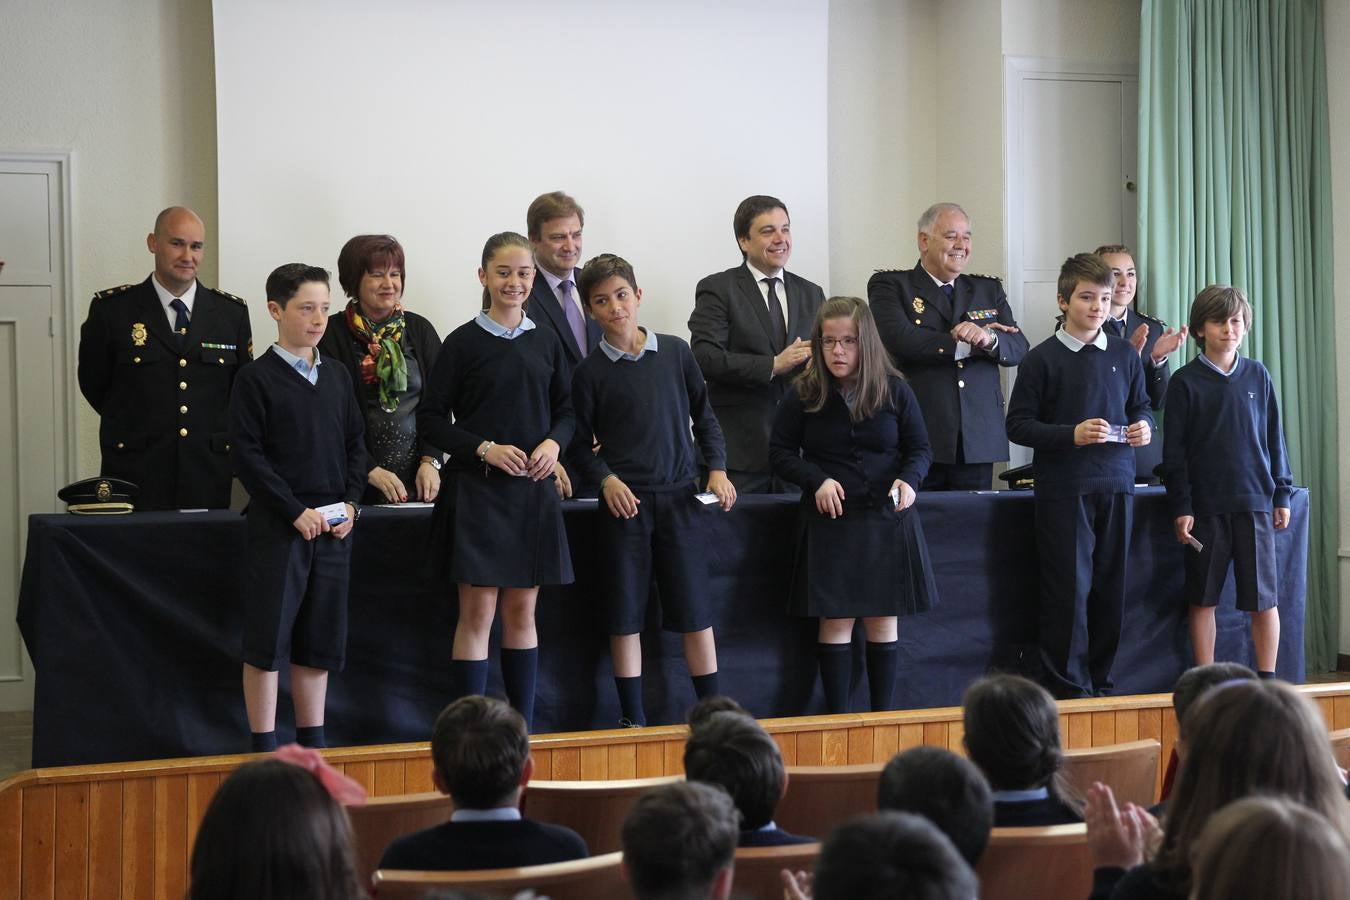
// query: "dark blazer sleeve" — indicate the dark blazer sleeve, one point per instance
point(95, 358)
point(248, 423)
point(421, 336)
point(1155, 377)
point(888, 294)
point(711, 326)
point(1176, 466)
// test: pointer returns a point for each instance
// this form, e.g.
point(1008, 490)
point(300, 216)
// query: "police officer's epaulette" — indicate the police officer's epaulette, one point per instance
point(1153, 320)
point(240, 300)
point(890, 271)
point(113, 291)
point(994, 278)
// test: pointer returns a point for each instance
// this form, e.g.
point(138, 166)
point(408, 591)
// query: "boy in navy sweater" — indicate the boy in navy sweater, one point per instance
point(296, 442)
point(1081, 404)
point(1227, 475)
point(637, 392)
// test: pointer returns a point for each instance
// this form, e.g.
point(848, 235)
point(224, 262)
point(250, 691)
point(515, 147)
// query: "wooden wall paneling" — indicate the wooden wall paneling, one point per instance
point(651, 760)
point(1103, 728)
point(567, 763)
point(909, 736)
point(956, 736)
point(594, 763)
point(543, 768)
point(200, 789)
point(811, 748)
point(885, 742)
point(1340, 713)
point(362, 772)
point(390, 778)
point(1080, 730)
point(861, 745)
point(105, 840)
point(171, 847)
point(11, 844)
point(622, 761)
point(787, 745)
point(39, 842)
point(1328, 709)
point(1127, 725)
point(673, 753)
point(138, 838)
point(72, 841)
point(935, 734)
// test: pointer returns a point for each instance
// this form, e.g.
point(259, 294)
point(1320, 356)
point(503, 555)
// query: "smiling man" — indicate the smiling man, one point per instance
point(157, 363)
point(749, 332)
point(949, 332)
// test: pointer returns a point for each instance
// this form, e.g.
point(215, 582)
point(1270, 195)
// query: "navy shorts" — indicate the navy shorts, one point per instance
point(1245, 539)
point(295, 599)
point(668, 538)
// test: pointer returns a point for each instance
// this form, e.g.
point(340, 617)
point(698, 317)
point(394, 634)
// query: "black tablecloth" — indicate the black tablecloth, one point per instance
point(133, 624)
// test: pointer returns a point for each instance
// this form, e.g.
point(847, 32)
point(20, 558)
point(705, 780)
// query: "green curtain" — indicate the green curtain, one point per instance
point(1235, 188)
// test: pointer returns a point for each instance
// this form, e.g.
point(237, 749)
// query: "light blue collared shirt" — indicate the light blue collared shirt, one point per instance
point(497, 814)
point(1075, 344)
point(308, 372)
point(496, 329)
point(1215, 366)
point(615, 354)
point(1040, 793)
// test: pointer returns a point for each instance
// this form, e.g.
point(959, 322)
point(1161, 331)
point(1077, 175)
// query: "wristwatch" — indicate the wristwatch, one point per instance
point(435, 463)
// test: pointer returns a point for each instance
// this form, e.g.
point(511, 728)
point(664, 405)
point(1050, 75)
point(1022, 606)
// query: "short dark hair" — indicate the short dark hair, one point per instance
point(286, 280)
point(366, 253)
point(272, 832)
point(599, 268)
point(944, 788)
point(704, 707)
point(676, 839)
point(891, 856)
point(1012, 731)
point(732, 751)
point(1194, 682)
point(1082, 267)
point(546, 207)
point(479, 747)
point(1218, 303)
point(751, 207)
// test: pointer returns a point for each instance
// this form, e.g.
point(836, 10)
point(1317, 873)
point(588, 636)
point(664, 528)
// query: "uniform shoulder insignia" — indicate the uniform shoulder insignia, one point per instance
point(1147, 318)
point(111, 292)
point(240, 300)
point(985, 277)
point(894, 270)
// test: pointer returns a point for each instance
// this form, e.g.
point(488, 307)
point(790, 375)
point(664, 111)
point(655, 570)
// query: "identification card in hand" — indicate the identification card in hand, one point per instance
point(1195, 545)
point(707, 498)
point(333, 513)
point(895, 498)
point(1115, 434)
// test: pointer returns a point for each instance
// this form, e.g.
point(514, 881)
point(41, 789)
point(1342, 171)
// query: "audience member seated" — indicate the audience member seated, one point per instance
point(704, 708)
point(1242, 739)
point(945, 789)
point(1266, 847)
point(1192, 684)
point(1012, 734)
point(273, 832)
point(886, 856)
point(731, 751)
point(481, 755)
point(679, 843)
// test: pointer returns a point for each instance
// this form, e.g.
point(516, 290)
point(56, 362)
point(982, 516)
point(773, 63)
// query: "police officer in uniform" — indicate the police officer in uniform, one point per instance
point(949, 333)
point(157, 362)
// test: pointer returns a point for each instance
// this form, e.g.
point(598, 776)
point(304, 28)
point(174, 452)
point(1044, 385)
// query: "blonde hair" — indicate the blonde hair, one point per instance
point(1270, 847)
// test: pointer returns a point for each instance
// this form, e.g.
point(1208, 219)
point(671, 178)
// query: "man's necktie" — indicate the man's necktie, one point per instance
point(949, 289)
point(180, 322)
point(575, 320)
point(776, 317)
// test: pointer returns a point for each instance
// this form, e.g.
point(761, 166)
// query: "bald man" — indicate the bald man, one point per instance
point(157, 363)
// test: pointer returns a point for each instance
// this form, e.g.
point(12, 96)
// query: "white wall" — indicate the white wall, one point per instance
point(1337, 38)
point(129, 87)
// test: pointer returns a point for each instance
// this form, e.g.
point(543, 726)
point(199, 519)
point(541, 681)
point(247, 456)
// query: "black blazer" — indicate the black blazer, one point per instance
point(1022, 813)
point(961, 400)
point(484, 845)
point(730, 335)
point(774, 837)
point(544, 309)
point(163, 408)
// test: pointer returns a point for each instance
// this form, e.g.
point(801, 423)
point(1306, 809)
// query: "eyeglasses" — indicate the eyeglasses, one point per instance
point(848, 343)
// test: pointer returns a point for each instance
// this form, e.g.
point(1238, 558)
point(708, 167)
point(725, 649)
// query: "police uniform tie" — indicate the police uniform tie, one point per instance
point(949, 289)
point(1115, 326)
point(575, 320)
point(180, 322)
point(776, 321)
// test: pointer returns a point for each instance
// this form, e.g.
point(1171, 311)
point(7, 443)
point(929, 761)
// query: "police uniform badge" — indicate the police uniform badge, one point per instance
point(918, 305)
point(138, 334)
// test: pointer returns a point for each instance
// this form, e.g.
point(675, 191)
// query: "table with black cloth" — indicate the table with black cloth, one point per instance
point(133, 624)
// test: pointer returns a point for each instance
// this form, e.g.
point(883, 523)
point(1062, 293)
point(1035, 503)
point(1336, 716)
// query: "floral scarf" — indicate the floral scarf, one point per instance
point(383, 363)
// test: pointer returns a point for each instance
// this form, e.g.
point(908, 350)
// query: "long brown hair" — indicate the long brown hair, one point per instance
point(1270, 847)
point(815, 384)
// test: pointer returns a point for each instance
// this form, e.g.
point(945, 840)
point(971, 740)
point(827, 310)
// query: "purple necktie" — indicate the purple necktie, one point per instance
point(574, 317)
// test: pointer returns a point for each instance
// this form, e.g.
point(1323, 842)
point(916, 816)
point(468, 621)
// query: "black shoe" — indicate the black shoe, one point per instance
point(628, 723)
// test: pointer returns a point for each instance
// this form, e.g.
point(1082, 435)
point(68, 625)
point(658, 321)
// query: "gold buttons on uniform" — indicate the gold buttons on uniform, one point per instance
point(918, 321)
point(960, 363)
point(136, 360)
point(182, 409)
point(942, 350)
point(182, 385)
point(182, 432)
point(221, 360)
point(961, 384)
point(182, 364)
point(121, 446)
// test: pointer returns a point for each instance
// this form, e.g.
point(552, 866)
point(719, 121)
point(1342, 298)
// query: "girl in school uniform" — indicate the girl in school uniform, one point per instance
point(851, 435)
point(498, 403)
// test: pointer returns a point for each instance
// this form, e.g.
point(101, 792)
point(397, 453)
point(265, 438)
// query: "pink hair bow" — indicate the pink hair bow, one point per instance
point(341, 788)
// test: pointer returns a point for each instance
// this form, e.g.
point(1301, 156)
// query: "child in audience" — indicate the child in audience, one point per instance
point(1079, 402)
point(481, 752)
point(1190, 687)
point(1264, 847)
point(499, 403)
point(852, 437)
point(296, 443)
point(636, 393)
point(272, 832)
point(706, 707)
point(1243, 738)
point(1012, 734)
point(1227, 475)
point(731, 751)
point(947, 790)
point(679, 843)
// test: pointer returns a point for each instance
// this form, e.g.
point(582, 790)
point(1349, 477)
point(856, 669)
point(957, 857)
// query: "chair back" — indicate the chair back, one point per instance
point(757, 869)
point(382, 819)
point(1130, 770)
point(578, 879)
point(1340, 745)
point(593, 809)
point(820, 797)
point(1052, 862)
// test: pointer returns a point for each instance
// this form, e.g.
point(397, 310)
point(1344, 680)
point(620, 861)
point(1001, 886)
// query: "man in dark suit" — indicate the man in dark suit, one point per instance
point(157, 362)
point(481, 753)
point(750, 333)
point(553, 223)
point(949, 333)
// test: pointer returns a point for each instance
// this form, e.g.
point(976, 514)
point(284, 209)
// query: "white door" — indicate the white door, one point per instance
point(34, 381)
point(1072, 147)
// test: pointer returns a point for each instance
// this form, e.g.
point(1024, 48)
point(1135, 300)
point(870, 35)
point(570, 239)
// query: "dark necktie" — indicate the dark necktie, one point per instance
point(180, 322)
point(776, 321)
point(1115, 326)
point(949, 289)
